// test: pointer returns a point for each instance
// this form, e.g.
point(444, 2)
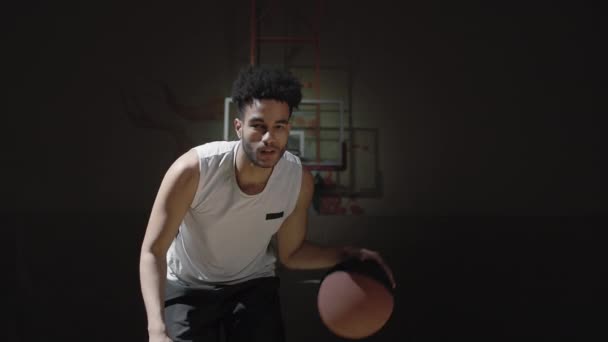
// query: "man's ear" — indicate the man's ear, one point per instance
point(238, 127)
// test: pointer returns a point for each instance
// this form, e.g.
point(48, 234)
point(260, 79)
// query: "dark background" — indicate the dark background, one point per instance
point(491, 148)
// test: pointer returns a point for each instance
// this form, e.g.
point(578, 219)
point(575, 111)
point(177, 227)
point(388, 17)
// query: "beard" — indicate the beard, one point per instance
point(252, 154)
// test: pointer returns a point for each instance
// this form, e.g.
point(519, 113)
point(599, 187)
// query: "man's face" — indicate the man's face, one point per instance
point(264, 131)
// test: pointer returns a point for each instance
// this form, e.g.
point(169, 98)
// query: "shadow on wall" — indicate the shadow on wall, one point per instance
point(161, 110)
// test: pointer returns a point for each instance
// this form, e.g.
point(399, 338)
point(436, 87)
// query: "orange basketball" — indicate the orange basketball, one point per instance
point(354, 300)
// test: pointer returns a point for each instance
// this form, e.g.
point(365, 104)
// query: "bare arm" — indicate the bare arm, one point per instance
point(174, 197)
point(297, 253)
point(294, 251)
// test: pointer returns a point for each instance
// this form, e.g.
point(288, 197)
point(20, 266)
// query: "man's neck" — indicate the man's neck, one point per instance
point(248, 174)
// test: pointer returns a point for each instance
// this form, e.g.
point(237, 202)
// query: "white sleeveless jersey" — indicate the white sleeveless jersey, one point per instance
point(225, 235)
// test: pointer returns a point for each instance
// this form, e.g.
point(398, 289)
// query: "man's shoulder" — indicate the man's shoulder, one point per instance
point(291, 159)
point(215, 148)
point(291, 167)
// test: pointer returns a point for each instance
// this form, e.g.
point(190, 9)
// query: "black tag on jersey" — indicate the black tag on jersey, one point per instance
point(272, 216)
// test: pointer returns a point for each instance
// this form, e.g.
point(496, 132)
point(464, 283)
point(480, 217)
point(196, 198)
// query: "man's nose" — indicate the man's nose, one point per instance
point(268, 137)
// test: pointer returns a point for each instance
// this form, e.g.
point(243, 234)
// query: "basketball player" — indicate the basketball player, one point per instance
point(207, 262)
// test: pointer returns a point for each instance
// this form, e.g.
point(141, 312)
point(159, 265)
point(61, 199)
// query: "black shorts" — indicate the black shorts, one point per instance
point(250, 311)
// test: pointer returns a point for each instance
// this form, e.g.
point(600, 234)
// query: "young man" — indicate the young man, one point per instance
point(207, 266)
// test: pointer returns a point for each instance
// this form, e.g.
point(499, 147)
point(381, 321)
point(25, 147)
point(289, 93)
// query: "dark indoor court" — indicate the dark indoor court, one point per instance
point(461, 141)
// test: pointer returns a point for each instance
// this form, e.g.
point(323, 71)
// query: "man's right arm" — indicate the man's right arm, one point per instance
point(174, 197)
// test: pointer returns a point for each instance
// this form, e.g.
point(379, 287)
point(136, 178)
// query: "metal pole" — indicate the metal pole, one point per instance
point(317, 79)
point(254, 33)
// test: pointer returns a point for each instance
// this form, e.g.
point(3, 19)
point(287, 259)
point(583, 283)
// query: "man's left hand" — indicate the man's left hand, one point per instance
point(366, 254)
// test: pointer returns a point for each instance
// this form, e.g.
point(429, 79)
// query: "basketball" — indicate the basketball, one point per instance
point(355, 299)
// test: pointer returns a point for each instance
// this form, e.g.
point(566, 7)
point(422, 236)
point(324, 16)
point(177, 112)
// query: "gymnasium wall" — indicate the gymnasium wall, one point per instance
point(474, 114)
point(491, 165)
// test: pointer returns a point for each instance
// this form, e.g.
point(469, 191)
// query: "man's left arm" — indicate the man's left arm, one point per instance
point(297, 253)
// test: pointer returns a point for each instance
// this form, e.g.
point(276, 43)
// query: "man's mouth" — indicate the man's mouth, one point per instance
point(267, 151)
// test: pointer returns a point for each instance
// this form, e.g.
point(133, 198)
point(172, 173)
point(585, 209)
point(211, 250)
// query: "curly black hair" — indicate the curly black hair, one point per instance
point(262, 82)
